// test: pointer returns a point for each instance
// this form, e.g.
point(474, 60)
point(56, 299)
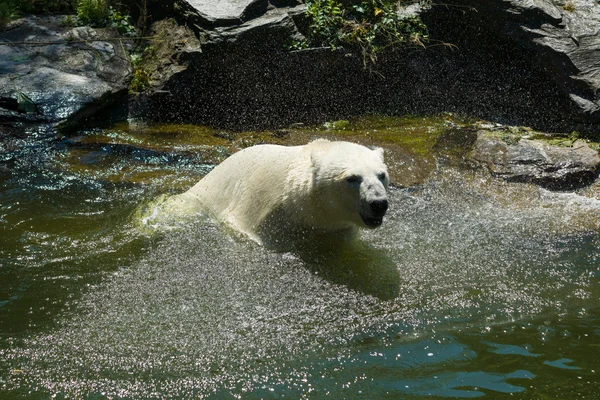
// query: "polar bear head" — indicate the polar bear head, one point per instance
point(350, 182)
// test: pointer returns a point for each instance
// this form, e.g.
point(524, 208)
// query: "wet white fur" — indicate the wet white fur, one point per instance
point(268, 190)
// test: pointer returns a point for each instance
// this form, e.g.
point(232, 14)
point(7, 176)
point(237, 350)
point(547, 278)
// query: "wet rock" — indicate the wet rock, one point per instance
point(561, 40)
point(244, 76)
point(239, 76)
point(537, 161)
point(227, 64)
point(68, 73)
point(566, 36)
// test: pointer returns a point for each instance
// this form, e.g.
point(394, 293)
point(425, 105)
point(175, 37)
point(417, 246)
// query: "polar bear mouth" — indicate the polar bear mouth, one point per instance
point(372, 222)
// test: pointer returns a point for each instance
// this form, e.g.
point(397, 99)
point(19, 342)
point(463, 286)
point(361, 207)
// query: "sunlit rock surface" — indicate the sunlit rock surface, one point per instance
point(220, 13)
point(62, 70)
point(564, 167)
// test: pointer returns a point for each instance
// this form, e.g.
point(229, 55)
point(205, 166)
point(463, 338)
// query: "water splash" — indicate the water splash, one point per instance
point(466, 273)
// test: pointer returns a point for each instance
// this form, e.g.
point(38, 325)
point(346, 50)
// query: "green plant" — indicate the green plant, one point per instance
point(68, 21)
point(92, 12)
point(368, 27)
point(44, 6)
point(121, 22)
point(136, 60)
point(327, 21)
point(6, 14)
point(140, 80)
point(97, 13)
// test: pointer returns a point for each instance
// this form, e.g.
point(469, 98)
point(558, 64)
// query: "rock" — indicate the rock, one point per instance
point(274, 29)
point(231, 76)
point(560, 40)
point(212, 13)
point(537, 161)
point(227, 64)
point(243, 77)
point(567, 39)
point(76, 72)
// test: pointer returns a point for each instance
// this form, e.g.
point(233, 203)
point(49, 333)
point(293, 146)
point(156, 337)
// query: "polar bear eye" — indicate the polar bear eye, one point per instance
point(353, 179)
point(381, 176)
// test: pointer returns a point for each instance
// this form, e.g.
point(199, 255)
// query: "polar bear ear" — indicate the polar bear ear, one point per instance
point(379, 152)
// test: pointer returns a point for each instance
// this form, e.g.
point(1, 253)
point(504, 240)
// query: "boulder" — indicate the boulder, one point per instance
point(212, 13)
point(486, 60)
point(62, 72)
point(569, 166)
point(228, 64)
point(558, 39)
point(241, 76)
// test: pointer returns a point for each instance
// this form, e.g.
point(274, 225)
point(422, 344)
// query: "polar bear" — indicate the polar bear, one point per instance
point(269, 191)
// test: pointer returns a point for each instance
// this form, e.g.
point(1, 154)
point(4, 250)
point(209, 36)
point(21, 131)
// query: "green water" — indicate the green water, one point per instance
point(472, 287)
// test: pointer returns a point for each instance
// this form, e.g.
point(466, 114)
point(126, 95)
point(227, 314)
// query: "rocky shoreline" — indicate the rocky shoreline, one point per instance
point(226, 64)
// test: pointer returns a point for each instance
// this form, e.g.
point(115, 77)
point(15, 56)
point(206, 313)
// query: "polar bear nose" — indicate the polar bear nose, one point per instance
point(379, 207)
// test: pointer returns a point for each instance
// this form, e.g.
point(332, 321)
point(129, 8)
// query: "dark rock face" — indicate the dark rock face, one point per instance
point(243, 77)
point(485, 61)
point(71, 78)
point(536, 161)
point(567, 39)
point(226, 63)
point(559, 40)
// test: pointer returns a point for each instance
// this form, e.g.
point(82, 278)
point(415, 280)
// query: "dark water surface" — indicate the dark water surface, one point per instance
point(472, 287)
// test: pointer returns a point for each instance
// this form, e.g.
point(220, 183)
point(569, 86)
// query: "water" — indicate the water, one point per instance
point(472, 287)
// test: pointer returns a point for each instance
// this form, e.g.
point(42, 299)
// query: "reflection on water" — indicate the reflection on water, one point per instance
point(471, 288)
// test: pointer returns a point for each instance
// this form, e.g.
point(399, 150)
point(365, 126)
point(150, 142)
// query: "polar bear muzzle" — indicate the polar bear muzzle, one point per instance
point(378, 209)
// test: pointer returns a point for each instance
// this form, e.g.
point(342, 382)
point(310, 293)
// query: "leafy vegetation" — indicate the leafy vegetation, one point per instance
point(96, 13)
point(42, 6)
point(7, 12)
point(140, 80)
point(122, 22)
point(368, 27)
point(92, 12)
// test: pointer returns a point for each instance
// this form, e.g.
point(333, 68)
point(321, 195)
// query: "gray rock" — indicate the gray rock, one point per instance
point(274, 28)
point(224, 78)
point(210, 13)
point(244, 77)
point(534, 62)
point(78, 70)
point(560, 38)
point(537, 161)
point(573, 47)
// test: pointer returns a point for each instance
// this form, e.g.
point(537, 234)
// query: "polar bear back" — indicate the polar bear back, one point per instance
point(249, 185)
